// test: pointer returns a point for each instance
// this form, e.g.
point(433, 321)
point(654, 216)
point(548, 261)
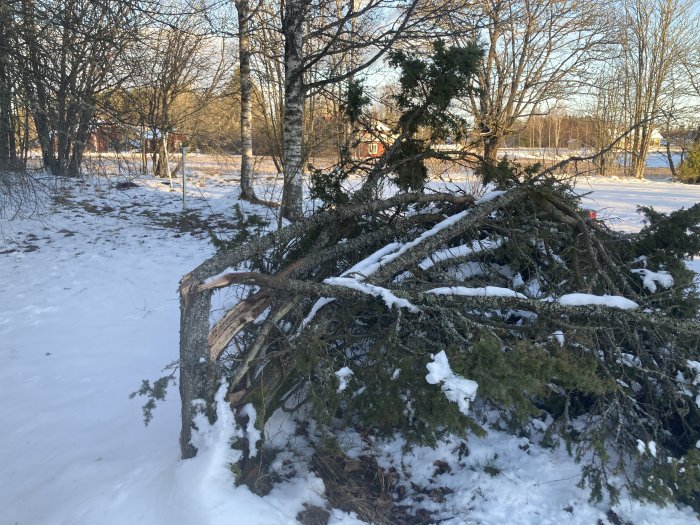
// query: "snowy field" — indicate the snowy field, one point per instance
point(657, 158)
point(89, 308)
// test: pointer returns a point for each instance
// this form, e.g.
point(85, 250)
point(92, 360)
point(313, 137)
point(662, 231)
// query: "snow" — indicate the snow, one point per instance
point(83, 319)
point(585, 299)
point(392, 251)
point(253, 435)
point(371, 264)
point(460, 251)
point(650, 279)
point(89, 307)
point(375, 261)
point(518, 281)
point(659, 159)
point(320, 303)
point(643, 447)
point(489, 196)
point(655, 159)
point(456, 388)
point(695, 365)
point(485, 291)
point(530, 485)
point(651, 447)
point(559, 336)
point(370, 289)
point(616, 199)
point(343, 376)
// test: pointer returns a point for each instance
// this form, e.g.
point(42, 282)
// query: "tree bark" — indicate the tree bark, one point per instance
point(292, 27)
point(197, 378)
point(244, 52)
point(8, 149)
point(7, 136)
point(491, 147)
point(641, 152)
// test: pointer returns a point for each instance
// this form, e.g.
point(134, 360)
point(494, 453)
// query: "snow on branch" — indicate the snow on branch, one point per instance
point(393, 251)
point(463, 250)
point(377, 291)
point(486, 291)
point(455, 387)
point(585, 299)
point(371, 264)
point(650, 279)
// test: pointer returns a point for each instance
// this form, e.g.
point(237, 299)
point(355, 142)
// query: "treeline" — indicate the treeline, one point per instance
point(285, 78)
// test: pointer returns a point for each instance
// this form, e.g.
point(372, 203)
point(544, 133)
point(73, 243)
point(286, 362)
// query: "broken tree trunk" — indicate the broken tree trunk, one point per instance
point(196, 370)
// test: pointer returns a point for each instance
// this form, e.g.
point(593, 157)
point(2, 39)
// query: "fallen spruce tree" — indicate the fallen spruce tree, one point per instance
point(553, 315)
point(435, 314)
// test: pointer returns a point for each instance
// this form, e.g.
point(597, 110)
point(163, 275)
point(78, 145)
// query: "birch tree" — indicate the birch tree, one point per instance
point(315, 34)
point(244, 57)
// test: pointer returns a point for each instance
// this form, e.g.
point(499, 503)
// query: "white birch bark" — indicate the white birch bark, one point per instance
point(292, 27)
point(247, 190)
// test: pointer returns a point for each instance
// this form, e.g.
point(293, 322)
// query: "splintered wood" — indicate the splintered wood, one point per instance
point(235, 320)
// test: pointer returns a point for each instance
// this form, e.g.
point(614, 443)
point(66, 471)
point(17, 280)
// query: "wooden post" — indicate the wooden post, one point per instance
point(164, 161)
point(184, 175)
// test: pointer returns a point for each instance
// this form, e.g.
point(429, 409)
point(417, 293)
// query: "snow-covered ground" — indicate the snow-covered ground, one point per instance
point(89, 308)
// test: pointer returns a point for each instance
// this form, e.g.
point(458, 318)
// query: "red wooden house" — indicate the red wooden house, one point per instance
point(104, 136)
point(372, 142)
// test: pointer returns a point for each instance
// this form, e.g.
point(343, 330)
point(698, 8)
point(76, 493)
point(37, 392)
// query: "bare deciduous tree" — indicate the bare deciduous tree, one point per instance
point(656, 38)
point(71, 49)
point(176, 60)
point(535, 52)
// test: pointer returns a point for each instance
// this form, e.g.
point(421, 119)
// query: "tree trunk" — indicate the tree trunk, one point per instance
point(7, 135)
point(161, 165)
point(144, 158)
point(197, 379)
point(247, 190)
point(8, 149)
point(79, 143)
point(639, 159)
point(669, 156)
point(35, 87)
point(491, 146)
point(292, 27)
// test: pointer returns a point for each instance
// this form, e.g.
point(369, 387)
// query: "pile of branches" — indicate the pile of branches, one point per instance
point(572, 331)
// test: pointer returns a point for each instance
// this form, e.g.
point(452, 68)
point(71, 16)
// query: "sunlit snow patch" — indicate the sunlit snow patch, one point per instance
point(485, 291)
point(585, 299)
